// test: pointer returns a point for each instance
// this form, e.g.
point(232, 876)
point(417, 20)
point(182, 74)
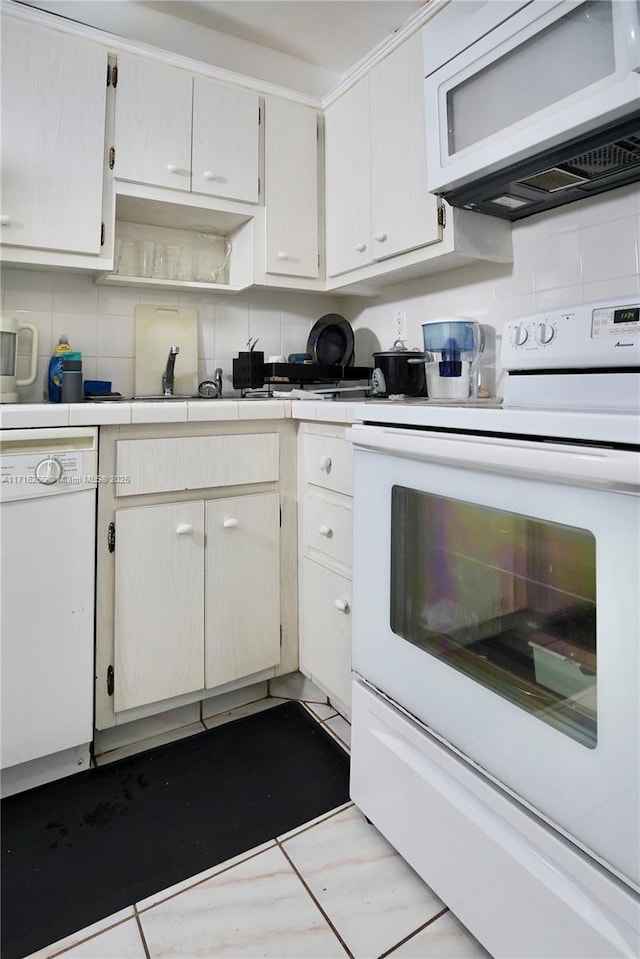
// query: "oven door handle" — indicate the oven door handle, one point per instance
point(593, 467)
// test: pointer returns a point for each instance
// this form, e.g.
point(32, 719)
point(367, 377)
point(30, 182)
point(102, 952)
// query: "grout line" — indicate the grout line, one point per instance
point(80, 942)
point(336, 738)
point(141, 931)
point(308, 890)
point(316, 822)
point(213, 875)
point(412, 934)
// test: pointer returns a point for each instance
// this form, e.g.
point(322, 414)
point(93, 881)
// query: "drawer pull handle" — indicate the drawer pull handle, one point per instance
point(210, 175)
point(183, 528)
point(325, 531)
point(325, 463)
point(342, 605)
point(5, 220)
point(230, 523)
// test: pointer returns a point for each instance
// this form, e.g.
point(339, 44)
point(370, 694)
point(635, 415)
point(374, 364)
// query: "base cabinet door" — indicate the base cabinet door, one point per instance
point(326, 629)
point(159, 603)
point(242, 619)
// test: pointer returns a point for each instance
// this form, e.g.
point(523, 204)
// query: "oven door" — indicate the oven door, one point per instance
point(496, 600)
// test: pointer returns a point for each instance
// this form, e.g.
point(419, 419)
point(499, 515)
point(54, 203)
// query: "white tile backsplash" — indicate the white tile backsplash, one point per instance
point(585, 251)
point(99, 322)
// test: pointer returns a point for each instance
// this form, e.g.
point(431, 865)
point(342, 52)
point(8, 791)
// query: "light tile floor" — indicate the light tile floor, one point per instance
point(329, 889)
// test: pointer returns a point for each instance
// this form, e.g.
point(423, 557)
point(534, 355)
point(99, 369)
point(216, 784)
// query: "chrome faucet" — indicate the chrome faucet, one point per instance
point(167, 376)
point(217, 379)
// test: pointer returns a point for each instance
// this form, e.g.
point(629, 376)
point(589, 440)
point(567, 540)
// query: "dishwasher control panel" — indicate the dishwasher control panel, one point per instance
point(36, 463)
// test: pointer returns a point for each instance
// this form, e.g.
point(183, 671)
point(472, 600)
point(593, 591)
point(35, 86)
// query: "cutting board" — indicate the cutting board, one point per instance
point(157, 329)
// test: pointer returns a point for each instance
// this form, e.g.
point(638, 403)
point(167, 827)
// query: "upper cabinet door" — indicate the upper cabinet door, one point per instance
point(291, 188)
point(404, 214)
point(225, 140)
point(153, 123)
point(348, 181)
point(53, 129)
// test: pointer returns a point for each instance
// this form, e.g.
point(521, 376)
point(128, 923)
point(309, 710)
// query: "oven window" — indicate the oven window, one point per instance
point(507, 599)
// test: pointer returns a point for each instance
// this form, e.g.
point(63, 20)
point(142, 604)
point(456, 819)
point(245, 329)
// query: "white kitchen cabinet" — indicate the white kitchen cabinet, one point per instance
point(54, 91)
point(185, 132)
point(403, 214)
point(291, 188)
point(348, 181)
point(376, 194)
point(196, 564)
point(325, 486)
point(159, 602)
point(382, 226)
point(197, 596)
point(242, 596)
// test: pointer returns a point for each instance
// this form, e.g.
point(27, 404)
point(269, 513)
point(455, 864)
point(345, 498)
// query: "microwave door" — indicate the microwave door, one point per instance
point(516, 92)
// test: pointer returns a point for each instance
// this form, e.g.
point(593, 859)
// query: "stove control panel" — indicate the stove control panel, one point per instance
point(603, 335)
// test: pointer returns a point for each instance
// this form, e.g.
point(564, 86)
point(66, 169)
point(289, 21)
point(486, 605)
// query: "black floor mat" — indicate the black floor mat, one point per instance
point(79, 849)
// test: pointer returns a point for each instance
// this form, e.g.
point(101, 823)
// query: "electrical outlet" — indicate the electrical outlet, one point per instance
point(401, 325)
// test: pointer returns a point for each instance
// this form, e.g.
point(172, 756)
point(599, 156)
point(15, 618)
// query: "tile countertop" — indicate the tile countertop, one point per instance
point(105, 413)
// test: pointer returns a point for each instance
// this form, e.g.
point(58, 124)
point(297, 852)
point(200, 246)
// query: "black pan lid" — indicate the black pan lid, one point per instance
point(331, 341)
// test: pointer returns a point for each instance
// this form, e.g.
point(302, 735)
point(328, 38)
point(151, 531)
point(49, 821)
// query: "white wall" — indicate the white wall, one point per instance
point(588, 250)
point(99, 322)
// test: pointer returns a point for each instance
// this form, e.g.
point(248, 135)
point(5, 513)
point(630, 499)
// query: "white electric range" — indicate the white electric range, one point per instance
point(496, 639)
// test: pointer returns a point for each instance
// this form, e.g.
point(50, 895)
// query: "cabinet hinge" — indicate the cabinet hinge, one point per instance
point(112, 157)
point(258, 186)
point(442, 216)
point(102, 234)
point(259, 115)
point(280, 635)
point(281, 516)
point(114, 75)
point(108, 74)
point(109, 680)
point(318, 261)
point(111, 537)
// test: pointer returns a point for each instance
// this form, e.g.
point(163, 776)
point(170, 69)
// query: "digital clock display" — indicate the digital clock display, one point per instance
point(628, 315)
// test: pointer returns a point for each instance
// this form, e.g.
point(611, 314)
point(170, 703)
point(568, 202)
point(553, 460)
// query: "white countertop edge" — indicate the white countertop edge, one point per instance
point(105, 413)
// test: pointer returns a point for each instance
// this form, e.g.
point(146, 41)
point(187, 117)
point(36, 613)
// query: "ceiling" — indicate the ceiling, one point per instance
point(333, 34)
point(330, 35)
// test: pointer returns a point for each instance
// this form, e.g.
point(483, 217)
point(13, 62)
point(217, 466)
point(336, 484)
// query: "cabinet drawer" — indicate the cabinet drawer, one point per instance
point(326, 629)
point(328, 462)
point(328, 529)
point(195, 462)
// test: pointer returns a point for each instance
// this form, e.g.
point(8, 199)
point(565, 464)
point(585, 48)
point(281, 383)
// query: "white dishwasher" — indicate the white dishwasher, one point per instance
point(47, 572)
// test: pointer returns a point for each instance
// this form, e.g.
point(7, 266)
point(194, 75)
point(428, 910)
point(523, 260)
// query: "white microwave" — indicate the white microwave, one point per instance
point(538, 105)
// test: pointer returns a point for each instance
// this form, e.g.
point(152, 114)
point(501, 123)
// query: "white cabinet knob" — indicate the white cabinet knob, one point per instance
point(282, 255)
point(361, 247)
point(210, 175)
point(230, 523)
point(380, 237)
point(325, 531)
point(173, 168)
point(325, 464)
point(183, 528)
point(5, 220)
point(342, 605)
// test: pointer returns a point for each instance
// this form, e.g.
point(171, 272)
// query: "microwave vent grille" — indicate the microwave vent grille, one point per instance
point(587, 166)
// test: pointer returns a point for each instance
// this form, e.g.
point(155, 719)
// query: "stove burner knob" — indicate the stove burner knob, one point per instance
point(520, 335)
point(545, 333)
